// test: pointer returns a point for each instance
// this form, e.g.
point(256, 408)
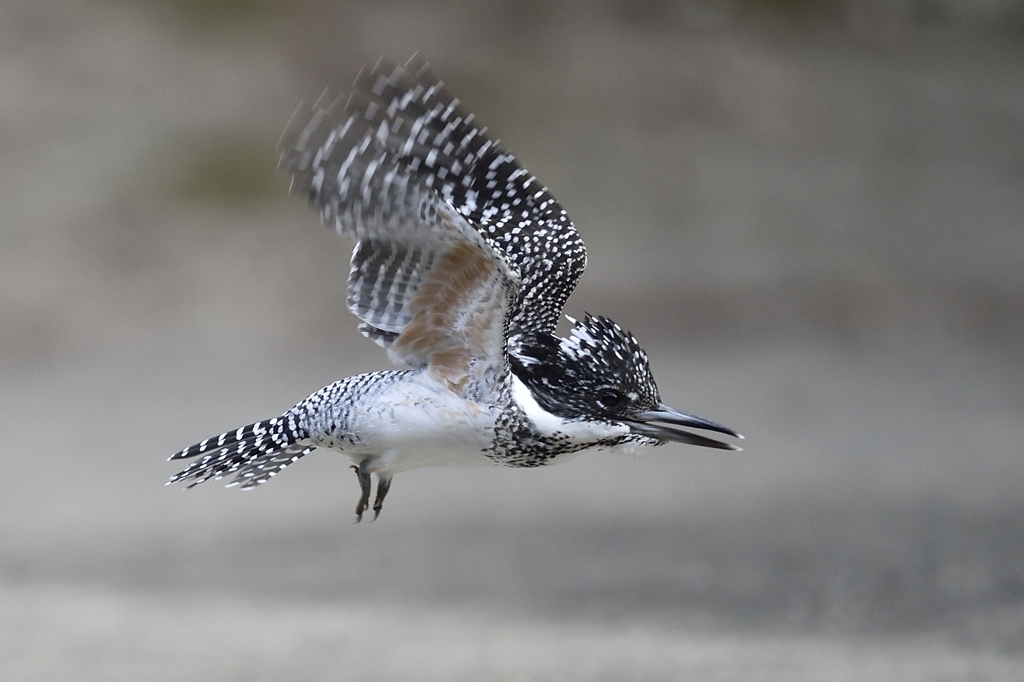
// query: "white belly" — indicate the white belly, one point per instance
point(421, 424)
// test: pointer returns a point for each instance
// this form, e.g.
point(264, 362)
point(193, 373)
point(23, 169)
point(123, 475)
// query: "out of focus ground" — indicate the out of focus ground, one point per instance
point(811, 215)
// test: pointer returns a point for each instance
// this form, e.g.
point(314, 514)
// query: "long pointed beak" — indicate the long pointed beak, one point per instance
point(643, 424)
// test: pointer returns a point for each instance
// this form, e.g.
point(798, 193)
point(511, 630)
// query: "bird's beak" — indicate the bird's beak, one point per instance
point(643, 424)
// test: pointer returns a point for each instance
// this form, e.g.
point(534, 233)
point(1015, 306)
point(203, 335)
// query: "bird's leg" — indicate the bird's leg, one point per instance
point(364, 486)
point(383, 485)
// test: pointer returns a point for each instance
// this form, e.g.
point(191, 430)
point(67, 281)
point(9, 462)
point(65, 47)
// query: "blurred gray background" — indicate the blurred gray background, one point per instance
point(809, 211)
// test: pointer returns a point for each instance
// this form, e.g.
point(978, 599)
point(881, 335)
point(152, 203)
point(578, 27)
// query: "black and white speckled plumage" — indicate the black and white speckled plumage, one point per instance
point(400, 132)
point(567, 376)
point(462, 263)
point(252, 454)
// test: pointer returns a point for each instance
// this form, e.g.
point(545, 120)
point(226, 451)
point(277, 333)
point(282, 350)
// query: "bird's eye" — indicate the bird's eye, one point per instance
point(610, 398)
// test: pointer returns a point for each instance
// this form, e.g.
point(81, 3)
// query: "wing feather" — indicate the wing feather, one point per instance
point(425, 283)
point(382, 164)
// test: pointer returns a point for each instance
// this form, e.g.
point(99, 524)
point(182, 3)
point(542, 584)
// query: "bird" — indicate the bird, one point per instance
point(461, 267)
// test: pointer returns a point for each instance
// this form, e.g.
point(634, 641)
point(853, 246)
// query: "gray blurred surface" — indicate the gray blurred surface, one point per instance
point(813, 223)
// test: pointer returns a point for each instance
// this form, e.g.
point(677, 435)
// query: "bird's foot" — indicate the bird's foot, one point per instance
point(383, 485)
point(364, 487)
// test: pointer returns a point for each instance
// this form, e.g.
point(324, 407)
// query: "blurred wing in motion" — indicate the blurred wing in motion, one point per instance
point(426, 283)
point(382, 167)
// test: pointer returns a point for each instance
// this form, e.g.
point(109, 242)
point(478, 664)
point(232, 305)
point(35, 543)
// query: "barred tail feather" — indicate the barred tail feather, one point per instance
point(265, 466)
point(254, 453)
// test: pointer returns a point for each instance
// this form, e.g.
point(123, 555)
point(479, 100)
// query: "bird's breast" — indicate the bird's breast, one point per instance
point(419, 423)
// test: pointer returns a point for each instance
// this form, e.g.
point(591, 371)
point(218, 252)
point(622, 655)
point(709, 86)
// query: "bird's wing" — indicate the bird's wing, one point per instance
point(426, 283)
point(401, 143)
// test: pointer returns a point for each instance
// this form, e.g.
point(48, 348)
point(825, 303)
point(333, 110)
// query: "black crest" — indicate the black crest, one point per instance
point(598, 371)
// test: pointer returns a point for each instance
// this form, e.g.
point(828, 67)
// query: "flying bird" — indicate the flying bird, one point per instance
point(461, 266)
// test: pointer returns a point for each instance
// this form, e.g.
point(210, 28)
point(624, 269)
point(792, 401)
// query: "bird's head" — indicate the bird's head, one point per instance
point(600, 372)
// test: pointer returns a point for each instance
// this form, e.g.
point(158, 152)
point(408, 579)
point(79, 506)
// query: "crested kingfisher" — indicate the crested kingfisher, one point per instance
point(461, 265)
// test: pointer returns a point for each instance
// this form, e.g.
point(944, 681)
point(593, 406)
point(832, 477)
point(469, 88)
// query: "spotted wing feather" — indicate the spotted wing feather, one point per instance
point(399, 146)
point(425, 282)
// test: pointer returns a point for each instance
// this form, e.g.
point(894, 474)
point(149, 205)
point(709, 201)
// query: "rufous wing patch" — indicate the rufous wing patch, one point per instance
point(457, 316)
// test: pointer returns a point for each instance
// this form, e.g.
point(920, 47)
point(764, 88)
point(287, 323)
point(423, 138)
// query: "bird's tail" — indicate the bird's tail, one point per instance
point(253, 453)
